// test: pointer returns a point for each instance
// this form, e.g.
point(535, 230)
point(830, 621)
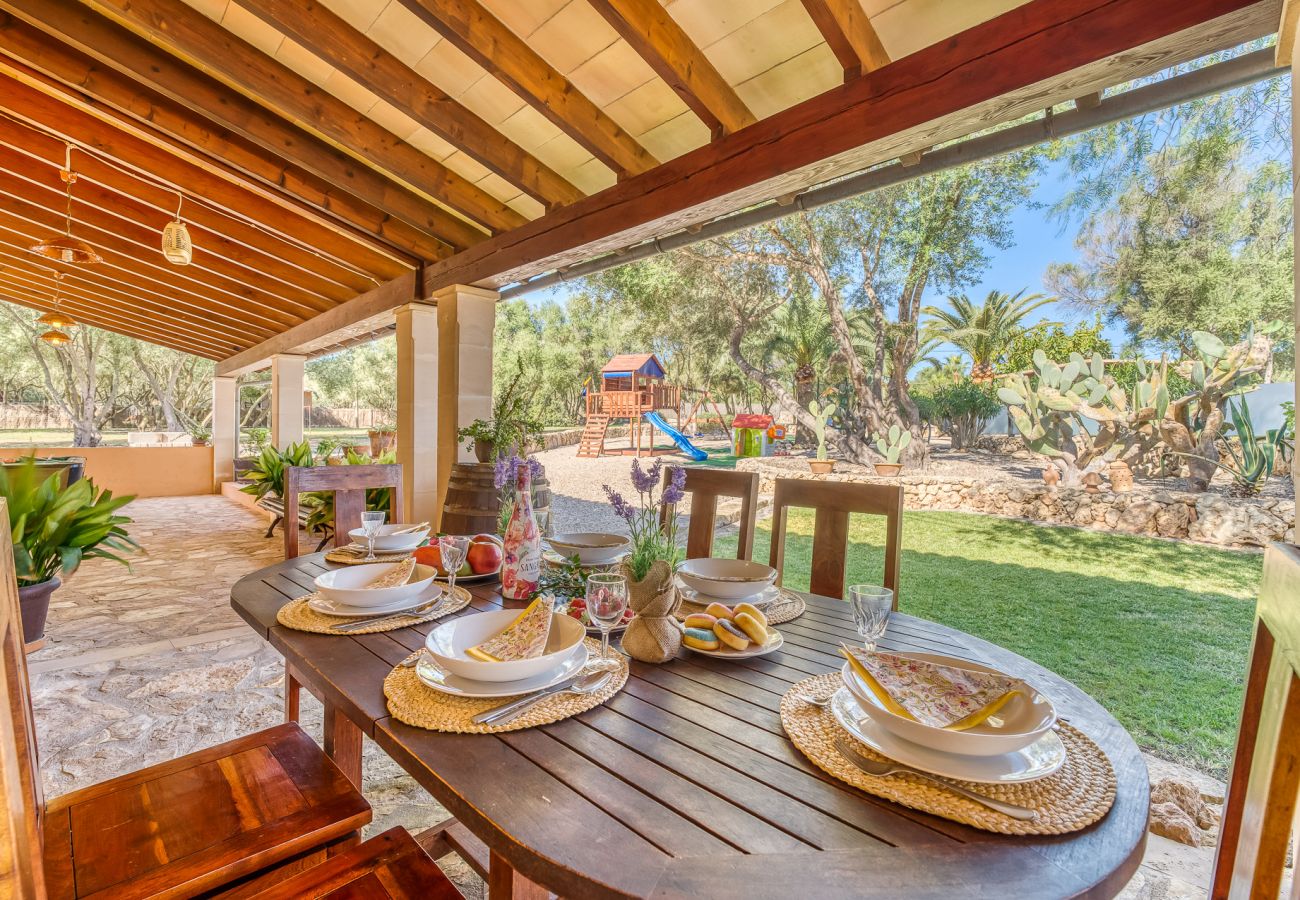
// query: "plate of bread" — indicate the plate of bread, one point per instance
point(730, 632)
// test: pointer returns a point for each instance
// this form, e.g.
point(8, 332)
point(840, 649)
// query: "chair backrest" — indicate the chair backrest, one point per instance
point(20, 781)
point(705, 486)
point(833, 501)
point(1265, 781)
point(349, 485)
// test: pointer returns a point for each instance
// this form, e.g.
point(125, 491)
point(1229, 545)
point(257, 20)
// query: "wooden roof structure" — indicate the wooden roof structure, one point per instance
point(335, 159)
point(641, 363)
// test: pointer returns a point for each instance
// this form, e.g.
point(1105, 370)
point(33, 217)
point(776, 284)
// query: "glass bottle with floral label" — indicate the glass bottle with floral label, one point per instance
point(521, 569)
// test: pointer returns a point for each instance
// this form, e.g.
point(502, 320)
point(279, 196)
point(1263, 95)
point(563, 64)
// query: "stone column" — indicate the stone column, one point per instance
point(1287, 34)
point(418, 405)
point(287, 373)
point(475, 316)
point(225, 429)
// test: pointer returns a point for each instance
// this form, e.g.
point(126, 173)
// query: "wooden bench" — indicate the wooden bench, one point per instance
point(275, 506)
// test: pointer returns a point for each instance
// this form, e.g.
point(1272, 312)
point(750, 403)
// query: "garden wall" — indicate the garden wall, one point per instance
point(1207, 518)
point(143, 471)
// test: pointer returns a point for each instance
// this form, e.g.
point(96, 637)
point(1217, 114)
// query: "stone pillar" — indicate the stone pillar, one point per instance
point(474, 312)
point(1287, 35)
point(287, 373)
point(418, 406)
point(225, 428)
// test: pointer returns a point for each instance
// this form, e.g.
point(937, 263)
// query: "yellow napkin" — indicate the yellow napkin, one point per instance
point(524, 638)
point(930, 693)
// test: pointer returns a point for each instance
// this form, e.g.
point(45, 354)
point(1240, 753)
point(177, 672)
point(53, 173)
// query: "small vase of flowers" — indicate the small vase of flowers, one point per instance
point(653, 635)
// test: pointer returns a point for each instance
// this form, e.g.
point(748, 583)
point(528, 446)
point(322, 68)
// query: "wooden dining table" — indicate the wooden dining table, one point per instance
point(684, 784)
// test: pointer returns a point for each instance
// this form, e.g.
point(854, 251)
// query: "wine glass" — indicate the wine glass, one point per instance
point(371, 522)
point(452, 548)
point(871, 605)
point(606, 603)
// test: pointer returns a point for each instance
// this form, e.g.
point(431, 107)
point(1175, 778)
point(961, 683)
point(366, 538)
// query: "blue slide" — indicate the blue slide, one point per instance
point(678, 438)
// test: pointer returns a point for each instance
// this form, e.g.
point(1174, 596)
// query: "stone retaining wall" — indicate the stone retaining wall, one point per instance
point(552, 440)
point(1207, 518)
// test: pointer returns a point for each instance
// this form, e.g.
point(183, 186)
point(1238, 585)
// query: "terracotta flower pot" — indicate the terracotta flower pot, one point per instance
point(381, 442)
point(1121, 477)
point(483, 450)
point(889, 470)
point(821, 466)
point(34, 600)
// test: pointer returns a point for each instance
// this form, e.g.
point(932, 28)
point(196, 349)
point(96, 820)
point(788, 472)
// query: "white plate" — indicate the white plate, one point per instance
point(765, 597)
point(1038, 760)
point(770, 647)
point(461, 579)
point(328, 607)
point(439, 680)
point(555, 559)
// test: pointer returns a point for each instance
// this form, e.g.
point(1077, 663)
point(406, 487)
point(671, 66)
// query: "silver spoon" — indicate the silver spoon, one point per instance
point(422, 610)
point(587, 684)
point(821, 702)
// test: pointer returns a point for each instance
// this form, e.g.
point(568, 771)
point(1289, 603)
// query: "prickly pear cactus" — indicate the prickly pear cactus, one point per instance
point(892, 445)
point(822, 414)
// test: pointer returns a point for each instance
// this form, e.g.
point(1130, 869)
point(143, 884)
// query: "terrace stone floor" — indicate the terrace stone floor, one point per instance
point(144, 665)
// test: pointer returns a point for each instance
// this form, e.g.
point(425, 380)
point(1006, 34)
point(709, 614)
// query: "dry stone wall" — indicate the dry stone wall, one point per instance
point(1206, 518)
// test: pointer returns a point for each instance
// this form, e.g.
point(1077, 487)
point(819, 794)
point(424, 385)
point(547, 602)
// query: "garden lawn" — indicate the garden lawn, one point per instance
point(1158, 632)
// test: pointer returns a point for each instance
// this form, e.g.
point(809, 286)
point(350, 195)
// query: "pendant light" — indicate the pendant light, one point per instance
point(66, 248)
point(176, 244)
point(56, 338)
point(56, 318)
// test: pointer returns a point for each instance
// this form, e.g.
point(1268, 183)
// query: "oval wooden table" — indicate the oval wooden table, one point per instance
point(684, 784)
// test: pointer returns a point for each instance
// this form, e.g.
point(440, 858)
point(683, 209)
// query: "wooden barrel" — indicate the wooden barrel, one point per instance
point(473, 503)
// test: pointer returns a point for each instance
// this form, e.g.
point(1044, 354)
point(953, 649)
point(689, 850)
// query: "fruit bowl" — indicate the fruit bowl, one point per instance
point(447, 643)
point(348, 586)
point(388, 542)
point(483, 559)
point(726, 579)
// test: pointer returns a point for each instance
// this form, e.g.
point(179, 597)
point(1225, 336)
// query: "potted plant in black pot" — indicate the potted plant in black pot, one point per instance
point(55, 528)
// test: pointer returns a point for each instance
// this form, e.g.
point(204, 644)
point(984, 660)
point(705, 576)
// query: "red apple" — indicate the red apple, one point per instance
point(484, 557)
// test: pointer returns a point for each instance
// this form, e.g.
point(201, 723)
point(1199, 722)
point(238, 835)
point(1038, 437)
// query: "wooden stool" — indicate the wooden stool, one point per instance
point(391, 865)
point(239, 816)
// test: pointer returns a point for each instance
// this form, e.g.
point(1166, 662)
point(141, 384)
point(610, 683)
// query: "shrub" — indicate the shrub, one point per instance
point(965, 407)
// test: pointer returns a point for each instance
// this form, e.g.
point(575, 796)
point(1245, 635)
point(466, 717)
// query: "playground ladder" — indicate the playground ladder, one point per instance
point(593, 435)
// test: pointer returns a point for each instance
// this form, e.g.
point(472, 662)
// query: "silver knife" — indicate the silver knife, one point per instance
point(417, 612)
point(883, 769)
point(487, 716)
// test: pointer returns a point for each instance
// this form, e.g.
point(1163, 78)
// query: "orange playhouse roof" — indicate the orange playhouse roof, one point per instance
point(751, 420)
point(635, 362)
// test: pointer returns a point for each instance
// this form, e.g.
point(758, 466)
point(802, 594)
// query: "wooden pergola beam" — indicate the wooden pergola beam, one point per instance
point(661, 42)
point(134, 79)
point(185, 32)
point(849, 33)
point(53, 117)
point(482, 37)
point(363, 60)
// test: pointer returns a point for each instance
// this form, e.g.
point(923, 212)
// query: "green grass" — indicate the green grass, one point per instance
point(1158, 632)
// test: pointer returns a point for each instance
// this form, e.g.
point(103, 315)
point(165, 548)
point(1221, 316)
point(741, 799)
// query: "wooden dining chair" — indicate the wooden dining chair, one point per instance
point(1264, 784)
point(246, 813)
point(833, 501)
point(349, 485)
point(705, 486)
point(389, 865)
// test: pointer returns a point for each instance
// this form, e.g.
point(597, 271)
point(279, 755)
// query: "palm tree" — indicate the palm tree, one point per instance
point(803, 341)
point(984, 331)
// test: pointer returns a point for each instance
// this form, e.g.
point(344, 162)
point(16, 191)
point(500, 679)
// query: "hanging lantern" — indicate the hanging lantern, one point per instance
point(57, 318)
point(176, 244)
point(65, 248)
point(56, 338)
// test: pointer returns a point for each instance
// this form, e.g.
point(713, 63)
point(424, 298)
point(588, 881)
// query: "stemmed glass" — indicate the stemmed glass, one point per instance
point(452, 548)
point(606, 603)
point(871, 605)
point(371, 522)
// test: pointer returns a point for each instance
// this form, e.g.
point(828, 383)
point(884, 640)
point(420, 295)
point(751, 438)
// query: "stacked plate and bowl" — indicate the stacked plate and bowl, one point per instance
point(390, 538)
point(360, 590)
point(592, 549)
point(1016, 744)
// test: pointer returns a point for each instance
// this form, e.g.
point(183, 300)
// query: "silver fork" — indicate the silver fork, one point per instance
point(885, 769)
point(422, 610)
point(587, 684)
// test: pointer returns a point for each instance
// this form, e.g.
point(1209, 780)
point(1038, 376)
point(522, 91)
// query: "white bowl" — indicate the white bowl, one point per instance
point(1024, 718)
point(726, 579)
point(348, 585)
point(388, 542)
point(449, 642)
point(591, 547)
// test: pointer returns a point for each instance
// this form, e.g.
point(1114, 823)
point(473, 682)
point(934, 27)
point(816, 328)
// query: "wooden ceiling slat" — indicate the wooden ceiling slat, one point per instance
point(17, 263)
point(849, 33)
point(661, 42)
point(130, 77)
point(115, 95)
point(485, 39)
point(18, 234)
point(363, 60)
point(98, 208)
point(40, 222)
point(185, 31)
point(66, 122)
point(98, 317)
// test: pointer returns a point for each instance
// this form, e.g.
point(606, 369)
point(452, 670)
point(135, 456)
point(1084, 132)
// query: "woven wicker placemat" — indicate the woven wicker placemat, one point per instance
point(784, 608)
point(296, 614)
point(1075, 796)
point(346, 557)
point(411, 701)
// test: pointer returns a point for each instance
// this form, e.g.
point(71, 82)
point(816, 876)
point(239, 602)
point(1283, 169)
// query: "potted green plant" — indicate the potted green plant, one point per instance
point(480, 436)
point(822, 413)
point(267, 474)
point(327, 451)
point(382, 439)
point(891, 446)
point(199, 437)
point(55, 528)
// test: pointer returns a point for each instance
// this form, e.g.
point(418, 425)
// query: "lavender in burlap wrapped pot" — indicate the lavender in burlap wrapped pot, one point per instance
point(653, 635)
